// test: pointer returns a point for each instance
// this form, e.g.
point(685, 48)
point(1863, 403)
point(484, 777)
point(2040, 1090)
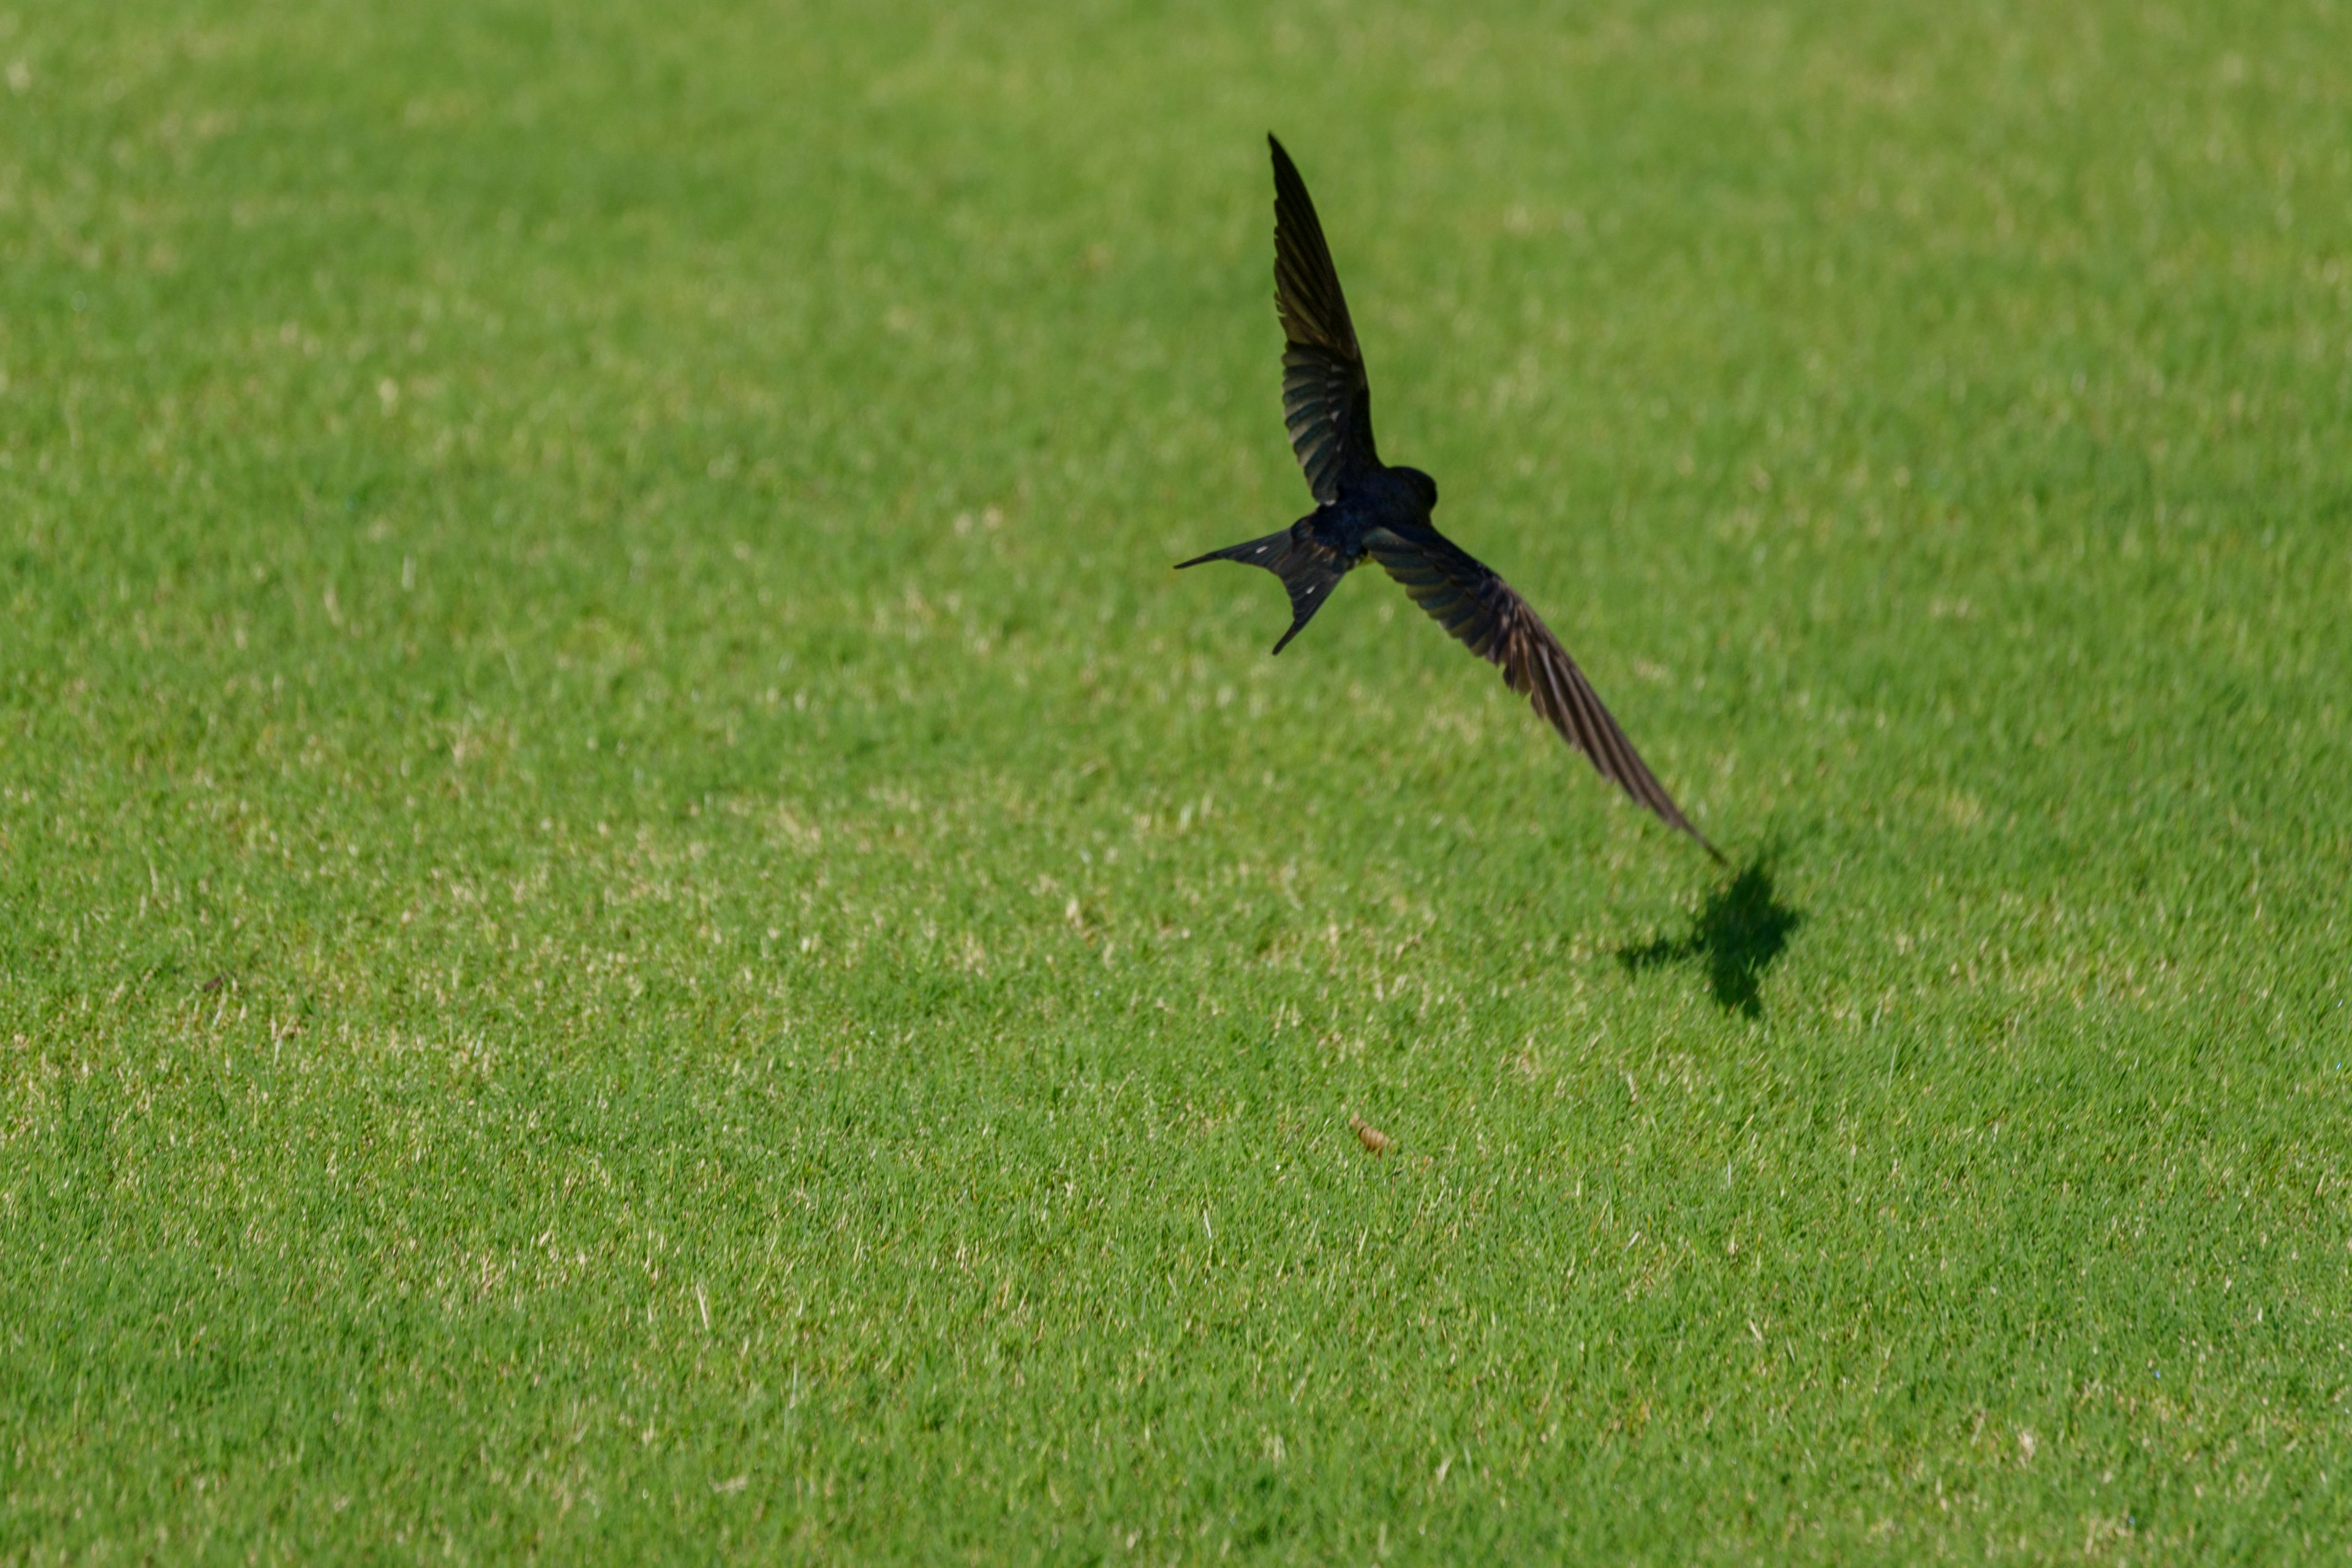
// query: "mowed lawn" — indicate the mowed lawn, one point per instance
point(637, 920)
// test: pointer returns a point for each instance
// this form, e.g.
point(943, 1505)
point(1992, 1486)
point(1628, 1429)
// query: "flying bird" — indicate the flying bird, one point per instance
point(1364, 507)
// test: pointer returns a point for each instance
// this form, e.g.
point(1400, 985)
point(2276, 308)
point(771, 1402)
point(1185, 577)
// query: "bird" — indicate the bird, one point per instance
point(1365, 507)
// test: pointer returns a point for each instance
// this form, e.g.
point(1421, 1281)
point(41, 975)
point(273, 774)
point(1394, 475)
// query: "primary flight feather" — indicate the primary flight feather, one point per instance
point(1365, 507)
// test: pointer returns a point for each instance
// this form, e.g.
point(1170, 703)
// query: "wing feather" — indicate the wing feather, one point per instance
point(1326, 404)
point(1489, 617)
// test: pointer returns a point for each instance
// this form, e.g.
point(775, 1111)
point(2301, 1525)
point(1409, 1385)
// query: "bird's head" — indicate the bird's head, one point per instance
point(1422, 485)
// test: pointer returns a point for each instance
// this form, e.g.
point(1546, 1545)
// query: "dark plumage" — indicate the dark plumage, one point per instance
point(1364, 507)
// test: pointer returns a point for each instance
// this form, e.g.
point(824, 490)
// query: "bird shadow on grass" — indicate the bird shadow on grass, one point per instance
point(1737, 932)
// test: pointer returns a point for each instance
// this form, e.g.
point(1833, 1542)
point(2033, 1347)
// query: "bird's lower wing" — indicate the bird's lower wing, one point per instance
point(1488, 615)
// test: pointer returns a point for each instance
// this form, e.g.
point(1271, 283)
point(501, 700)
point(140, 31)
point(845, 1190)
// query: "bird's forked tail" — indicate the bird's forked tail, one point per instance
point(1308, 569)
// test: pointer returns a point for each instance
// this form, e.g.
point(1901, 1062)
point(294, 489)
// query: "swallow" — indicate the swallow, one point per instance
point(1364, 507)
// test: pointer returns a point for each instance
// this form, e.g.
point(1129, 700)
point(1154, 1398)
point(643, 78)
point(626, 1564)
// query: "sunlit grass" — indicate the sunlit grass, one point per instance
point(639, 920)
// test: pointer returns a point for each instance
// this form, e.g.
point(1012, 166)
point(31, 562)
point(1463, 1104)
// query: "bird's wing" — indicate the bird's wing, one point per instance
point(1326, 401)
point(1488, 615)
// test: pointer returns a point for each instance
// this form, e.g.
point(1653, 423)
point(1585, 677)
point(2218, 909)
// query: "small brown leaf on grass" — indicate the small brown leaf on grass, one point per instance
point(1372, 1137)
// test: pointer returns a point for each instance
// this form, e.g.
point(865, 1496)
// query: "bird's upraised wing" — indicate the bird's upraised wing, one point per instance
point(1326, 401)
point(1488, 615)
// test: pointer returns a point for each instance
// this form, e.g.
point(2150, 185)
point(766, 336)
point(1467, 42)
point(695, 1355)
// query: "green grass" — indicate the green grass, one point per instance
point(637, 920)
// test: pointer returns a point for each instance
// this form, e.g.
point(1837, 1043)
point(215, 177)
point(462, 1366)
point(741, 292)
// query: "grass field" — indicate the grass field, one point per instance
point(637, 920)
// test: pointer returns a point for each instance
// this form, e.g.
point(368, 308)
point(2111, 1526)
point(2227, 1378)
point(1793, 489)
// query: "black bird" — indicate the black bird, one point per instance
point(1363, 507)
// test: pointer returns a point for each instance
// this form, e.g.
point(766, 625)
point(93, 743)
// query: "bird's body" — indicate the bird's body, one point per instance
point(1364, 507)
point(1371, 502)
